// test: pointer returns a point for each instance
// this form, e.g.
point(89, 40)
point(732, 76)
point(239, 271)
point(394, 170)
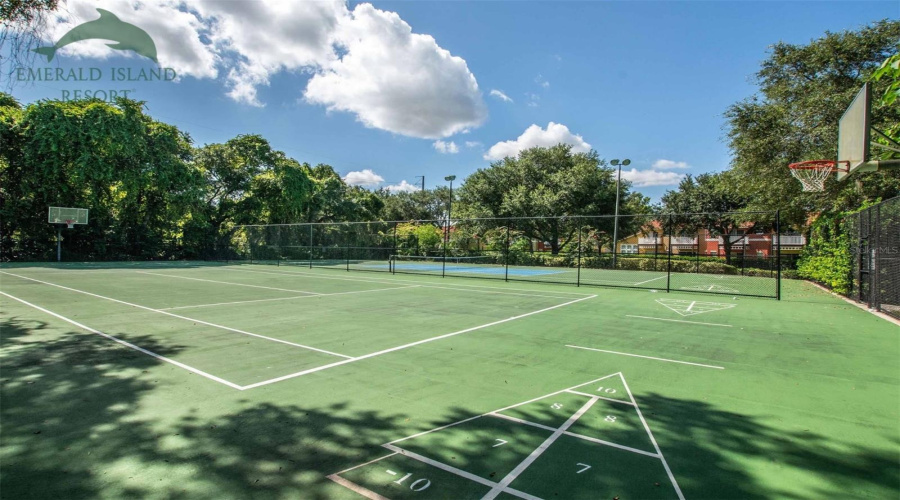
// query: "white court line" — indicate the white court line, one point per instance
point(496, 490)
point(648, 281)
point(473, 288)
point(350, 485)
point(601, 397)
point(442, 466)
point(691, 306)
point(646, 357)
point(678, 321)
point(614, 445)
point(411, 344)
point(127, 344)
point(289, 298)
point(228, 283)
point(235, 330)
point(520, 421)
point(653, 440)
point(365, 464)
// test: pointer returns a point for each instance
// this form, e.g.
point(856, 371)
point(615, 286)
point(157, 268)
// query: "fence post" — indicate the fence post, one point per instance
point(578, 275)
point(310, 245)
point(876, 255)
point(391, 264)
point(669, 260)
point(778, 254)
point(506, 257)
point(697, 247)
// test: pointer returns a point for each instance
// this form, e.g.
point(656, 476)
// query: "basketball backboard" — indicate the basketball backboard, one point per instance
point(854, 134)
point(61, 215)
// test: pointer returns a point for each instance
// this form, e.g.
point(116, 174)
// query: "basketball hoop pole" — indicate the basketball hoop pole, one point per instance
point(58, 243)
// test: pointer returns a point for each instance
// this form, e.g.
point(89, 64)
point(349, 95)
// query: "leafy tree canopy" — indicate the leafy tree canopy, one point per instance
point(549, 182)
point(804, 90)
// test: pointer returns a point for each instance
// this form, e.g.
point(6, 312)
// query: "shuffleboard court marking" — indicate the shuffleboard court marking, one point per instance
point(127, 344)
point(601, 397)
point(679, 321)
point(646, 357)
point(288, 298)
point(692, 307)
point(350, 485)
point(411, 344)
point(365, 464)
point(612, 445)
point(503, 485)
point(522, 421)
point(228, 283)
point(653, 440)
point(469, 288)
point(214, 325)
point(509, 478)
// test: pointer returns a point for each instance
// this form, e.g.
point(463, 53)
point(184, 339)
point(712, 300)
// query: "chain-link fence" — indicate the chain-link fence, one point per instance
point(731, 254)
point(875, 256)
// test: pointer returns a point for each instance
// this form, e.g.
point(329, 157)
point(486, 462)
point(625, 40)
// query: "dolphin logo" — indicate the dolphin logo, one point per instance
point(108, 27)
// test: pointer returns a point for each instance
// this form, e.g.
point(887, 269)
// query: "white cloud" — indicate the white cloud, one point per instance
point(541, 81)
point(669, 164)
point(446, 147)
point(365, 178)
point(396, 80)
point(536, 136)
point(644, 178)
point(500, 95)
point(532, 100)
point(364, 61)
point(403, 186)
point(473, 144)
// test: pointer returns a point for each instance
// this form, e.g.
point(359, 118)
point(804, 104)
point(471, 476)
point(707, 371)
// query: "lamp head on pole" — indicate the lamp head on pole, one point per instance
point(450, 178)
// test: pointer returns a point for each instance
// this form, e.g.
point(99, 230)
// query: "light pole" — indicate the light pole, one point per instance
point(616, 163)
point(450, 178)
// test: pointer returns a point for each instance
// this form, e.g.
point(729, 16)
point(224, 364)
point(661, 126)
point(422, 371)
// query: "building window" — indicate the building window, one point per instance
point(628, 248)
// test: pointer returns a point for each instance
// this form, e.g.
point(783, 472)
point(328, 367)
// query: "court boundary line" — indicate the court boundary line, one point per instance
point(679, 321)
point(410, 344)
point(222, 327)
point(288, 298)
point(648, 281)
point(647, 357)
point(229, 283)
point(601, 397)
point(127, 344)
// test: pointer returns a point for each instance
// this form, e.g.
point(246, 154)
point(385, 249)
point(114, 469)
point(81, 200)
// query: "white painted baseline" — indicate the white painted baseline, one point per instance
point(646, 357)
point(126, 344)
point(227, 328)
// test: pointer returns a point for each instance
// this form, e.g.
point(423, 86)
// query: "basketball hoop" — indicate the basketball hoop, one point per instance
point(70, 223)
point(812, 173)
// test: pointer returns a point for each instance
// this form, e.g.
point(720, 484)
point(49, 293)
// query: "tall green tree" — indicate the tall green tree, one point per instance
point(713, 202)
point(430, 204)
point(129, 170)
point(803, 91)
point(551, 183)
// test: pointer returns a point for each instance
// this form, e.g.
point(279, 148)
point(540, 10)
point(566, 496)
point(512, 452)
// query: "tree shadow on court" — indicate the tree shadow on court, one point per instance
point(76, 425)
point(719, 454)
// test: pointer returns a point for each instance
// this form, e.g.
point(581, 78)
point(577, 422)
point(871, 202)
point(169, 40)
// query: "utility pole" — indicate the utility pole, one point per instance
point(616, 163)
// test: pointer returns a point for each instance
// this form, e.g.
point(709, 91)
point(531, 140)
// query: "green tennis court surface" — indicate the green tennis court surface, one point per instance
point(233, 381)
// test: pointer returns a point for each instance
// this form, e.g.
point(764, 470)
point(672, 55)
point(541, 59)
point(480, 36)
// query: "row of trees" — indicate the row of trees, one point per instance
point(153, 195)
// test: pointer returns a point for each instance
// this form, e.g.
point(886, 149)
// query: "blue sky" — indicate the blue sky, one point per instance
point(643, 80)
